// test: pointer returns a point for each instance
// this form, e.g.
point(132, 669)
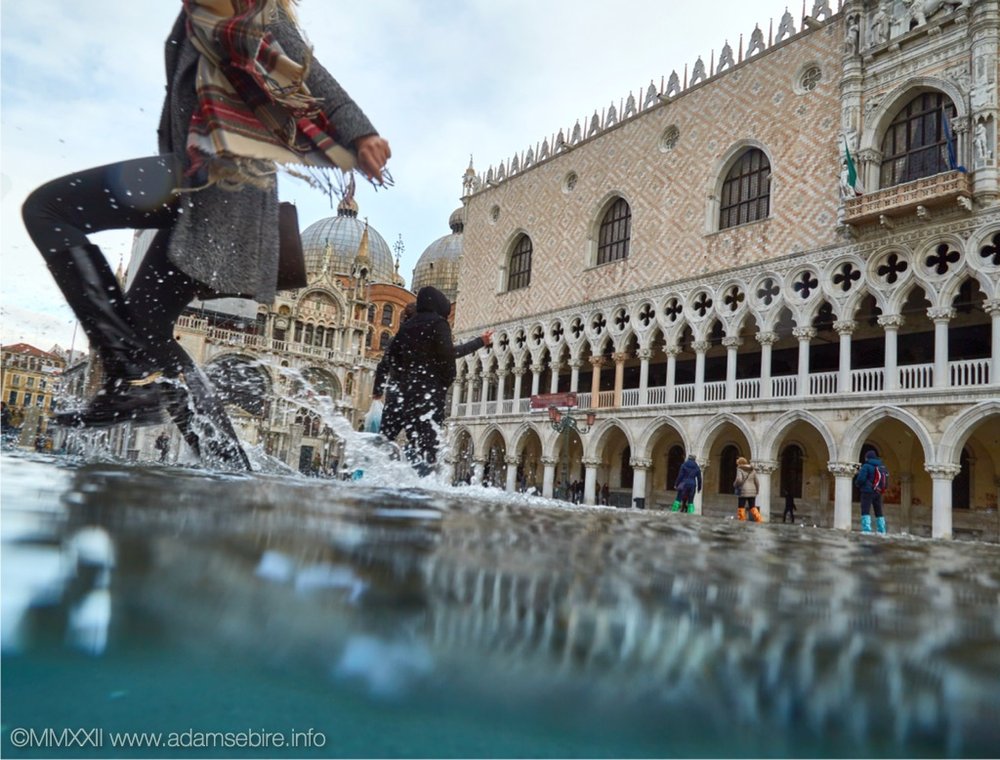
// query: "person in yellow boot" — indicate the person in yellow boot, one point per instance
point(745, 487)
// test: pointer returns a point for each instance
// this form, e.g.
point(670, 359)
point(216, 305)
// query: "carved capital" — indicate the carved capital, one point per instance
point(942, 471)
point(619, 358)
point(503, 373)
point(843, 469)
point(549, 461)
point(845, 326)
point(575, 364)
point(701, 346)
point(734, 342)
point(590, 463)
point(941, 313)
point(891, 321)
point(992, 307)
point(673, 351)
point(765, 466)
point(478, 461)
point(519, 371)
point(511, 460)
point(645, 354)
point(538, 368)
point(767, 338)
point(641, 464)
point(870, 155)
point(596, 362)
point(554, 366)
point(804, 333)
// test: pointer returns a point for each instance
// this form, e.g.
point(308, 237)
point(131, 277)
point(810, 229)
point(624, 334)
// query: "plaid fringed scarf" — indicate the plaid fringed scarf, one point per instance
point(254, 109)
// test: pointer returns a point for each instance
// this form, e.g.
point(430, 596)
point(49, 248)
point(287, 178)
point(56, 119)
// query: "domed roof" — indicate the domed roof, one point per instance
point(331, 244)
point(438, 264)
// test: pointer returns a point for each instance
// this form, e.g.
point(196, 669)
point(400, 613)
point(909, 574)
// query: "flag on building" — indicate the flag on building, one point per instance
point(852, 171)
point(950, 141)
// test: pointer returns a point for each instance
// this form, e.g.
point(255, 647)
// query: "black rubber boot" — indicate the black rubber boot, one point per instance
point(201, 417)
point(131, 391)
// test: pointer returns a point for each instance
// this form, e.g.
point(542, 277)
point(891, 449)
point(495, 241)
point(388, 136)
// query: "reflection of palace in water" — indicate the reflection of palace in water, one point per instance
point(700, 265)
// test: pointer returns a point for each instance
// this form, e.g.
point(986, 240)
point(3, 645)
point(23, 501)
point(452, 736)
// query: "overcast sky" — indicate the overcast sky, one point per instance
point(82, 85)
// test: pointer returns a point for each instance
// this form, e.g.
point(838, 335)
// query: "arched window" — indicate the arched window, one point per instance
point(372, 312)
point(915, 144)
point(615, 233)
point(519, 271)
point(746, 192)
point(791, 471)
point(727, 468)
point(387, 314)
point(384, 340)
point(675, 458)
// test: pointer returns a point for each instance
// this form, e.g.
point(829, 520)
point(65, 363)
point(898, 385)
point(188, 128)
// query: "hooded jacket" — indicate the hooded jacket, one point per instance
point(865, 478)
point(689, 475)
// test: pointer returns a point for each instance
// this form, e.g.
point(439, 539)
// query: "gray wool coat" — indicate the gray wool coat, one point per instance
point(228, 240)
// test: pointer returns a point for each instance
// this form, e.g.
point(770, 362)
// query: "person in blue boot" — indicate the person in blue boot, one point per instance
point(688, 484)
point(872, 479)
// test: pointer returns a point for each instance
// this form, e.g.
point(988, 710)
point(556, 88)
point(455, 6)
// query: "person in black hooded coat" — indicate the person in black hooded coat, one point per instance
point(422, 360)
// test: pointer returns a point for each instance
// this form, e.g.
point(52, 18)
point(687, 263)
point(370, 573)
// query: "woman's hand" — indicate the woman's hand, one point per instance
point(373, 153)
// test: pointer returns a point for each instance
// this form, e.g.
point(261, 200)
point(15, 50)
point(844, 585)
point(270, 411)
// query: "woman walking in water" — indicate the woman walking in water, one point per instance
point(243, 96)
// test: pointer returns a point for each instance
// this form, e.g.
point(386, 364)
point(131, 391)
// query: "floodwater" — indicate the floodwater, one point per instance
point(398, 617)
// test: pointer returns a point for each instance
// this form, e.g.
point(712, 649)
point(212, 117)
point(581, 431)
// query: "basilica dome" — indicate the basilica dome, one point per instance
point(438, 264)
point(331, 245)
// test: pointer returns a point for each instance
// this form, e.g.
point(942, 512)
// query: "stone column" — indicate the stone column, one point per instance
point(484, 394)
point(554, 381)
point(699, 495)
point(845, 329)
point(639, 468)
point(843, 499)
point(644, 356)
point(891, 324)
point(992, 307)
point(536, 377)
point(700, 348)
point(518, 376)
point(574, 377)
point(732, 347)
point(501, 388)
point(456, 395)
point(766, 340)
point(590, 480)
point(671, 352)
point(941, 317)
point(619, 359)
point(765, 469)
point(942, 475)
point(548, 475)
point(906, 501)
point(595, 381)
point(804, 334)
point(511, 463)
point(470, 392)
point(478, 470)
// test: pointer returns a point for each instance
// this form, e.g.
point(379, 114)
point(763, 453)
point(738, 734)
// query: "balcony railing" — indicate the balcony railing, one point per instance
point(929, 192)
point(961, 374)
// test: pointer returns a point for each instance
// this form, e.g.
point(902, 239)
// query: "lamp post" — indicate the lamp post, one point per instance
point(563, 424)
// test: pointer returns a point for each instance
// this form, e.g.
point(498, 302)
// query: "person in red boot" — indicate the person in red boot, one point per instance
point(746, 488)
point(244, 96)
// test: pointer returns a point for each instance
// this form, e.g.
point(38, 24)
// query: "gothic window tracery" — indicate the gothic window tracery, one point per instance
point(519, 270)
point(915, 145)
point(746, 191)
point(615, 233)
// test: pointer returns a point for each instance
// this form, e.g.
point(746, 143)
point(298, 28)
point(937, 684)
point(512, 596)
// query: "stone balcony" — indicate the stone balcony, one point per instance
point(945, 191)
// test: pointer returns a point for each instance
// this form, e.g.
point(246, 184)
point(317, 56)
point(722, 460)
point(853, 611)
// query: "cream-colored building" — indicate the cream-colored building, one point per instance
point(697, 264)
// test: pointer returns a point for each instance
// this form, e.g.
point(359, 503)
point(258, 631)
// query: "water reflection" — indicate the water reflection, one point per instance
point(808, 641)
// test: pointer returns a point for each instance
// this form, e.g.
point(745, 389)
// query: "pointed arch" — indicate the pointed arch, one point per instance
point(860, 428)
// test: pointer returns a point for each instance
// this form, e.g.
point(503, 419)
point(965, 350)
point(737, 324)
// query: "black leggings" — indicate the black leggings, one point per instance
point(135, 194)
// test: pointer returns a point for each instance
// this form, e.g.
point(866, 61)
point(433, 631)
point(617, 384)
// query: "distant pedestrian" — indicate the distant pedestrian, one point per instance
point(872, 479)
point(789, 513)
point(163, 445)
point(746, 487)
point(605, 495)
point(687, 485)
